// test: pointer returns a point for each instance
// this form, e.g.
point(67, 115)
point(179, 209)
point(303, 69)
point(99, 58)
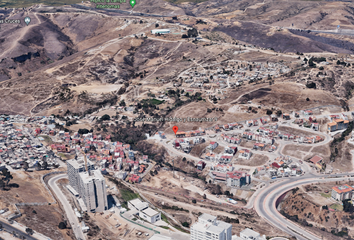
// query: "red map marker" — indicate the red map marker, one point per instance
point(175, 129)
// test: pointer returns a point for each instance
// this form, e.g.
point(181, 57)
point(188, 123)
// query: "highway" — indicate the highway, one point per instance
point(9, 228)
point(265, 202)
point(70, 214)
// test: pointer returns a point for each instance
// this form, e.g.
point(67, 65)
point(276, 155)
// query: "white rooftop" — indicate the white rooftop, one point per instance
point(138, 204)
point(79, 163)
point(94, 175)
point(249, 233)
point(150, 212)
point(159, 237)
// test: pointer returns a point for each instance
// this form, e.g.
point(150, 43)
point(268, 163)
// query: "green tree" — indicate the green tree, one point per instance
point(185, 224)
point(105, 117)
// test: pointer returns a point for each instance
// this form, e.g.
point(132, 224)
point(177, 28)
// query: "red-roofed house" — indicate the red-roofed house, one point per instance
point(275, 165)
point(134, 178)
point(238, 179)
point(213, 145)
point(317, 161)
point(200, 165)
point(245, 153)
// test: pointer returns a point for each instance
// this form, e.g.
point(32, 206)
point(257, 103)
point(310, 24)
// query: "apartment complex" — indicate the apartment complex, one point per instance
point(74, 168)
point(92, 189)
point(90, 185)
point(208, 228)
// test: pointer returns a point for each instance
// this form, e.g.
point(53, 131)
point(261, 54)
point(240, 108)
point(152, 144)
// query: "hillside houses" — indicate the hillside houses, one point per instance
point(245, 154)
point(232, 178)
point(231, 139)
point(181, 134)
point(283, 166)
point(20, 149)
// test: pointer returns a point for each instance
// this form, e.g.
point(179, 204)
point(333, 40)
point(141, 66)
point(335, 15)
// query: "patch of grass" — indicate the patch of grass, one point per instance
point(47, 139)
point(128, 195)
point(164, 227)
point(64, 156)
point(164, 218)
point(180, 229)
point(326, 195)
point(337, 207)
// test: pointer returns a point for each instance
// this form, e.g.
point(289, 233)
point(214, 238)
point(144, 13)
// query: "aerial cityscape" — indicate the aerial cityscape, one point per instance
point(176, 120)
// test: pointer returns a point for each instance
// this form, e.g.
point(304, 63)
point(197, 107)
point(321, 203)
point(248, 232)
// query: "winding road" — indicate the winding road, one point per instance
point(71, 216)
point(265, 202)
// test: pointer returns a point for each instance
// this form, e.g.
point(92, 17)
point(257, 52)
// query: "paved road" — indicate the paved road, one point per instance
point(11, 229)
point(67, 207)
point(265, 203)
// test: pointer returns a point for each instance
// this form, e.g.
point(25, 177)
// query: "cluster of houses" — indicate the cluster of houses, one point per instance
point(116, 156)
point(185, 144)
point(225, 173)
point(224, 157)
point(268, 135)
point(195, 133)
point(234, 75)
point(281, 166)
point(18, 146)
point(21, 147)
point(338, 122)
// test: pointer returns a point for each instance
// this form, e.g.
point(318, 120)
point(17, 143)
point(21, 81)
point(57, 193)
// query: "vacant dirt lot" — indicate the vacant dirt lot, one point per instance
point(255, 160)
point(26, 187)
point(324, 150)
point(298, 132)
point(289, 96)
point(297, 151)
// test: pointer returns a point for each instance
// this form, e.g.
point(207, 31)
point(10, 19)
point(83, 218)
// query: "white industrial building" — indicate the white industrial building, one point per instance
point(208, 228)
point(144, 211)
point(92, 189)
point(249, 234)
point(74, 168)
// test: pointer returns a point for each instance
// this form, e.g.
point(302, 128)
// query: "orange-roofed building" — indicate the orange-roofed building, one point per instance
point(343, 192)
point(337, 124)
point(180, 134)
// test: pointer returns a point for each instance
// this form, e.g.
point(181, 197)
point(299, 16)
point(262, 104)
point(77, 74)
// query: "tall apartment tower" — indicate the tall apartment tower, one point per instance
point(208, 228)
point(74, 168)
point(92, 189)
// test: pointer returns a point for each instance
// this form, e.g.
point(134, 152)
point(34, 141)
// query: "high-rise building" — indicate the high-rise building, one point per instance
point(90, 185)
point(74, 168)
point(208, 228)
point(92, 189)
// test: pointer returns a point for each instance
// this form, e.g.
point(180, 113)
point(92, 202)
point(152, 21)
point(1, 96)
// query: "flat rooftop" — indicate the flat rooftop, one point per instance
point(94, 175)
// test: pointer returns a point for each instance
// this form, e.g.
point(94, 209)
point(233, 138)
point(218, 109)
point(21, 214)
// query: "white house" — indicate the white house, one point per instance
point(144, 211)
point(150, 215)
point(249, 234)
